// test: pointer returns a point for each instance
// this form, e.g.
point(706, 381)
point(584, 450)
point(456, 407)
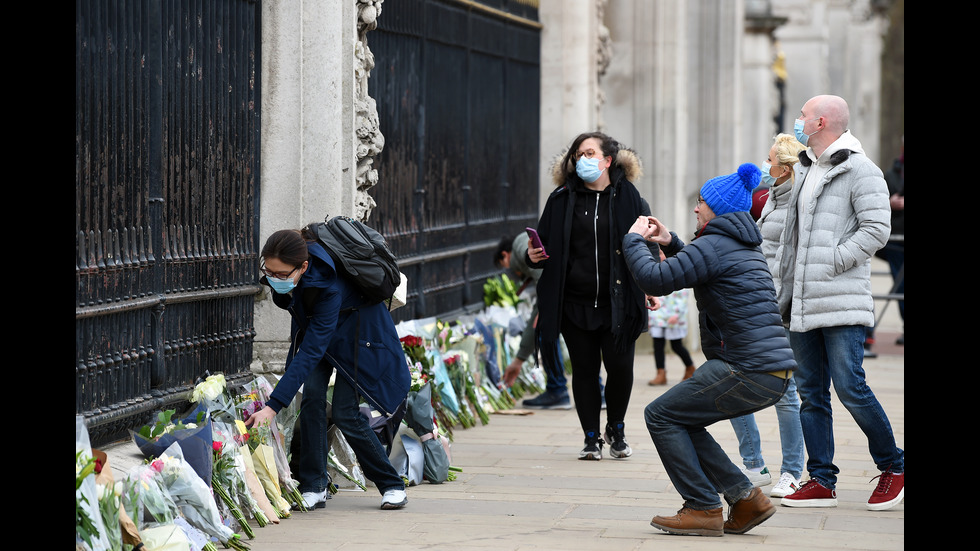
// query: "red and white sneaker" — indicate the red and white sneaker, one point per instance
point(889, 493)
point(811, 494)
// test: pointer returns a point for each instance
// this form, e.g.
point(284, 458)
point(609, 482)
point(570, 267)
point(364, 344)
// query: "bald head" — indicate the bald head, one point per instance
point(830, 117)
point(834, 108)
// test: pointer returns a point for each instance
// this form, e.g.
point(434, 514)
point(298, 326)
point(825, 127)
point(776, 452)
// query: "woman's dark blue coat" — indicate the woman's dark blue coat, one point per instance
point(739, 318)
point(332, 325)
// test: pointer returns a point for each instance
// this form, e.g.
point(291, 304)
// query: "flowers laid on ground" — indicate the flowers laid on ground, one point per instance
point(85, 527)
point(206, 478)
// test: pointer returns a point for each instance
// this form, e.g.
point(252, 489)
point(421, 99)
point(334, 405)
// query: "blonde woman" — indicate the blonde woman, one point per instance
point(777, 172)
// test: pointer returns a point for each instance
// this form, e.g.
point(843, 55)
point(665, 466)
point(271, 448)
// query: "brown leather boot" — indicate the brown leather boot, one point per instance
point(660, 379)
point(691, 522)
point(689, 372)
point(746, 514)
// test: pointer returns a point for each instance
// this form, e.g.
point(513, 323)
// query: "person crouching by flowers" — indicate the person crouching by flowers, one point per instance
point(333, 326)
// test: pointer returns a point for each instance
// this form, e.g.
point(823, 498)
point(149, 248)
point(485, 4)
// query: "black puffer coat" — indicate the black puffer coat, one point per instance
point(739, 317)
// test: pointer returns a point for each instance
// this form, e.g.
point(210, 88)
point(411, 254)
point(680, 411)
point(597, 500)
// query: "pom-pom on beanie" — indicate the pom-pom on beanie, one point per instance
point(731, 192)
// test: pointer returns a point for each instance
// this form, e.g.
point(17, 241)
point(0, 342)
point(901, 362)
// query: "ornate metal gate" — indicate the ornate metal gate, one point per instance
point(166, 166)
point(457, 89)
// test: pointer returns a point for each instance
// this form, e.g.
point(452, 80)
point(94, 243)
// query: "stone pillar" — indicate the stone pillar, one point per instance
point(319, 131)
point(569, 78)
point(647, 94)
point(834, 47)
point(761, 109)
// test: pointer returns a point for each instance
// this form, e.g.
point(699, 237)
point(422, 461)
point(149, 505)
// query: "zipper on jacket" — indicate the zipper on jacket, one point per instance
point(595, 236)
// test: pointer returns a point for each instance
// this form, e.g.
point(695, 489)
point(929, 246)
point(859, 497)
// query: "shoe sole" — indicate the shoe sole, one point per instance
point(317, 505)
point(620, 455)
point(691, 532)
point(549, 406)
point(590, 456)
point(755, 522)
point(781, 493)
point(808, 502)
point(887, 504)
point(389, 506)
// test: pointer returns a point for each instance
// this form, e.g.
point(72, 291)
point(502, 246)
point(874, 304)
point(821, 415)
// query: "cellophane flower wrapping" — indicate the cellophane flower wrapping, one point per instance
point(147, 502)
point(342, 466)
point(93, 532)
point(109, 502)
point(288, 486)
point(255, 487)
point(213, 394)
point(166, 537)
point(264, 465)
point(195, 442)
point(192, 495)
point(227, 482)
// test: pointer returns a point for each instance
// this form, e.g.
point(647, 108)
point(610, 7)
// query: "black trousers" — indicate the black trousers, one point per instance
point(588, 350)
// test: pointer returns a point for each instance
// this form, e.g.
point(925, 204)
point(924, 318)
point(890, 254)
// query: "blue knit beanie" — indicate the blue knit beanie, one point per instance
point(731, 192)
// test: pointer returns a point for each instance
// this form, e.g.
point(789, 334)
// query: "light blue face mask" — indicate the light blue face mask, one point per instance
point(587, 169)
point(281, 286)
point(801, 136)
point(766, 178)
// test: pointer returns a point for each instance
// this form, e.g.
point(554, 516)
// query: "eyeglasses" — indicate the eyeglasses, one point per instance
point(587, 153)
point(277, 275)
point(698, 202)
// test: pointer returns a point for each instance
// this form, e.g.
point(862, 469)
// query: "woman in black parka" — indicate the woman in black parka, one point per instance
point(586, 292)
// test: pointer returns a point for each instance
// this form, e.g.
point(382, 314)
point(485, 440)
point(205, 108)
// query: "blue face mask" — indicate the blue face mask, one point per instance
point(587, 169)
point(281, 286)
point(766, 178)
point(801, 136)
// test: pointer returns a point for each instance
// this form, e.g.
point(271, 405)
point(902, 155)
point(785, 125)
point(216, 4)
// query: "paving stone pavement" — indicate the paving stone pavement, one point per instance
point(523, 487)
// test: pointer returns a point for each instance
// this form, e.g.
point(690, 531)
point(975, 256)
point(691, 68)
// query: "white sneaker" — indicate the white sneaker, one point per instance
point(315, 500)
point(394, 499)
point(786, 485)
point(761, 478)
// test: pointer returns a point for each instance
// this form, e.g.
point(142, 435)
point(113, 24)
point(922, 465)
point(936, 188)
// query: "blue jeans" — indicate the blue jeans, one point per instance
point(836, 354)
point(311, 469)
point(697, 466)
point(790, 435)
point(554, 367)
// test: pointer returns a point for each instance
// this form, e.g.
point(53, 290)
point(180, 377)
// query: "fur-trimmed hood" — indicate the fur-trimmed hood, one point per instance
point(626, 160)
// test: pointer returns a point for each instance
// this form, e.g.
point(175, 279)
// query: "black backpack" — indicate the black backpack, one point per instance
point(363, 254)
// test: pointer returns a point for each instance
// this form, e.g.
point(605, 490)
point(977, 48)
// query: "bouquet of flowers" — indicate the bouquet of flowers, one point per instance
point(108, 496)
point(420, 418)
point(289, 486)
point(223, 481)
point(230, 475)
point(421, 365)
point(265, 510)
point(341, 460)
point(146, 500)
point(90, 531)
point(193, 497)
point(85, 527)
point(193, 432)
point(212, 392)
point(263, 463)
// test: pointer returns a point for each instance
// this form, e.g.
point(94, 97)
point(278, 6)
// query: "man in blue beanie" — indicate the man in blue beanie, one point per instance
point(749, 360)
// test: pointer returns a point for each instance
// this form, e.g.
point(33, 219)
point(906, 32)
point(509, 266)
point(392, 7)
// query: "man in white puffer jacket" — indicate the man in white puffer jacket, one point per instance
point(841, 217)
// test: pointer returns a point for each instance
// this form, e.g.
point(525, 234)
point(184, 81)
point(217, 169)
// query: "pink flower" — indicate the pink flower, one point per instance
point(157, 465)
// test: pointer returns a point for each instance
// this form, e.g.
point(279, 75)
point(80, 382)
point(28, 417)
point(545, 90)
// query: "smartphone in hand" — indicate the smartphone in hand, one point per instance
point(536, 240)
